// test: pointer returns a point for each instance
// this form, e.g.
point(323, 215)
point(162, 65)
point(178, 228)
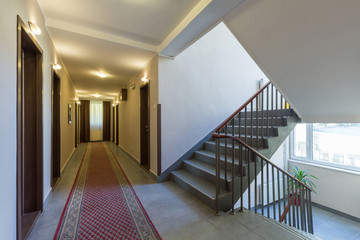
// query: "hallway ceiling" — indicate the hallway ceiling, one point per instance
point(120, 36)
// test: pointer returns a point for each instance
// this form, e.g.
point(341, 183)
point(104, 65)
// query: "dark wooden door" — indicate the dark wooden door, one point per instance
point(29, 131)
point(113, 125)
point(76, 124)
point(144, 127)
point(55, 163)
point(117, 125)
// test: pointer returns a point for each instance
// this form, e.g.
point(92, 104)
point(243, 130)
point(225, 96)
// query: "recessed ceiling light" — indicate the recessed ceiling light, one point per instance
point(97, 95)
point(102, 74)
point(34, 28)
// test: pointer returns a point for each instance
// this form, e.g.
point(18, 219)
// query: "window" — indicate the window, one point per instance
point(328, 144)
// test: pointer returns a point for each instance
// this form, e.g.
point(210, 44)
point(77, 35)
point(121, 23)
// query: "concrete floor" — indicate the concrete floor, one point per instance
point(175, 213)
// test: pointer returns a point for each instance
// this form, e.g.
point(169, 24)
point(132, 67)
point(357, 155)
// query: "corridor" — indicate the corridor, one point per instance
point(175, 213)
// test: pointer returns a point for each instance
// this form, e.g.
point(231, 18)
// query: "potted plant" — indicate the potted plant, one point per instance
point(304, 177)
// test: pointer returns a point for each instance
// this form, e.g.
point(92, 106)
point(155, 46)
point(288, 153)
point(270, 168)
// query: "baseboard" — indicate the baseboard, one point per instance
point(345, 215)
point(129, 155)
point(67, 161)
point(47, 198)
point(176, 165)
point(153, 176)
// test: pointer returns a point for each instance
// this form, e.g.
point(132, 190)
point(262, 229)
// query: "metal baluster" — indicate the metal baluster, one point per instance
point(262, 113)
point(273, 185)
point(217, 175)
point(297, 207)
point(294, 202)
point(262, 186)
point(245, 125)
point(311, 224)
point(277, 107)
point(255, 175)
point(268, 109)
point(272, 105)
point(233, 177)
point(241, 177)
point(251, 121)
point(303, 228)
point(289, 200)
point(284, 195)
point(248, 162)
point(225, 157)
point(268, 190)
point(279, 203)
point(257, 121)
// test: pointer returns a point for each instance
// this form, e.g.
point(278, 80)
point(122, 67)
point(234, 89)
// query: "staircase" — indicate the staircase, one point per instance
point(223, 168)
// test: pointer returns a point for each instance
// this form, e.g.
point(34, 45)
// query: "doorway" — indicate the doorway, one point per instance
point(29, 187)
point(76, 124)
point(55, 163)
point(144, 127)
point(113, 124)
point(117, 125)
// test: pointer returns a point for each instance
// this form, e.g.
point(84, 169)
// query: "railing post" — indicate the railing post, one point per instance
point(311, 224)
point(233, 177)
point(241, 177)
point(217, 153)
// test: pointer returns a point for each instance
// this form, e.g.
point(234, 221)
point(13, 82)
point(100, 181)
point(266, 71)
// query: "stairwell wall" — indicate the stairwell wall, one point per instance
point(28, 10)
point(201, 88)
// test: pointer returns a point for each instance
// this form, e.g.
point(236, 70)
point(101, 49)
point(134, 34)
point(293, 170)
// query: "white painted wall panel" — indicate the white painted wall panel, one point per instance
point(201, 88)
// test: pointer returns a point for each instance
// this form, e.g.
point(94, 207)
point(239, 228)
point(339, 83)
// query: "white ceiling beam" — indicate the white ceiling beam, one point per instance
point(99, 34)
point(184, 23)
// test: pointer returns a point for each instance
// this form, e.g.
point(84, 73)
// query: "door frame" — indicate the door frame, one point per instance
point(142, 162)
point(55, 75)
point(23, 35)
point(117, 124)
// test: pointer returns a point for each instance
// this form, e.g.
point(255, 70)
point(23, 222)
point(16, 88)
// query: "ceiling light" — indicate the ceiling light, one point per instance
point(56, 67)
point(144, 79)
point(34, 28)
point(102, 74)
point(97, 95)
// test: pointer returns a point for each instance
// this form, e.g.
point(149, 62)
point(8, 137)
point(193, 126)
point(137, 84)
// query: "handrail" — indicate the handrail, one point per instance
point(257, 119)
point(260, 155)
point(240, 108)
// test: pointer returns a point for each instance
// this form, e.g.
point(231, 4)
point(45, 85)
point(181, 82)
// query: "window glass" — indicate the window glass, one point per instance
point(337, 143)
point(300, 140)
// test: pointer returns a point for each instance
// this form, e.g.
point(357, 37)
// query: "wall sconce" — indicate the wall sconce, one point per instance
point(113, 104)
point(132, 87)
point(78, 102)
point(145, 80)
point(56, 67)
point(34, 28)
point(117, 102)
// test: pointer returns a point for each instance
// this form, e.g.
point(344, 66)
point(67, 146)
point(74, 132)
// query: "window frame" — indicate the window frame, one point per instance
point(309, 152)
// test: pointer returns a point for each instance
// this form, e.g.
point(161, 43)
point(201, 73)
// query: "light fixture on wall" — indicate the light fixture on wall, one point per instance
point(78, 102)
point(76, 99)
point(132, 87)
point(113, 104)
point(102, 74)
point(117, 102)
point(145, 80)
point(97, 95)
point(56, 67)
point(34, 28)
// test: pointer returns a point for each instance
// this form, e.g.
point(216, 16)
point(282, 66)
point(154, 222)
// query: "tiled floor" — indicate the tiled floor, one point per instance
point(175, 213)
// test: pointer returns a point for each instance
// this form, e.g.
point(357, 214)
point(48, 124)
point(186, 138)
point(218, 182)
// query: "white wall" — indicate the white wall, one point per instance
point(28, 11)
point(201, 88)
point(308, 49)
point(336, 189)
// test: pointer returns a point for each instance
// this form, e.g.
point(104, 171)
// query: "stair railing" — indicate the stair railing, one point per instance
point(279, 195)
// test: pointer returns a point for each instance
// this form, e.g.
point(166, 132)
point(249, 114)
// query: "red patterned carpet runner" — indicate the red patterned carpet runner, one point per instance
point(102, 204)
